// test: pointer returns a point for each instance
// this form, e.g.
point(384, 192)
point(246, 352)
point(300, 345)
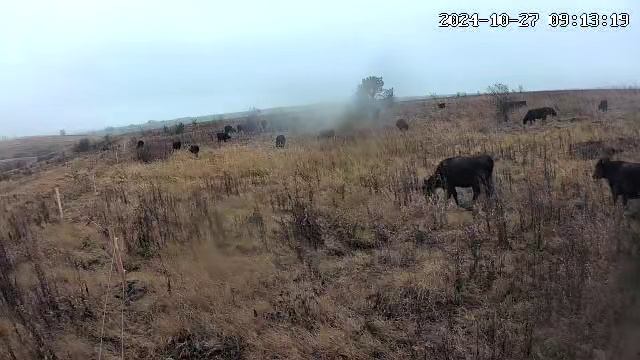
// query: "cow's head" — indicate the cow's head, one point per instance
point(430, 184)
point(600, 169)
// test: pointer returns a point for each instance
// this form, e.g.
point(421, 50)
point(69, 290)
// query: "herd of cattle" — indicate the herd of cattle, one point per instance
point(530, 117)
point(476, 171)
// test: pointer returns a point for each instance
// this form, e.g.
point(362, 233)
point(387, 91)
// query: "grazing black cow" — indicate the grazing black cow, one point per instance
point(623, 178)
point(194, 149)
point(280, 141)
point(223, 136)
point(177, 145)
point(603, 106)
point(442, 105)
point(229, 129)
point(402, 125)
point(538, 113)
point(140, 144)
point(240, 128)
point(327, 134)
point(462, 171)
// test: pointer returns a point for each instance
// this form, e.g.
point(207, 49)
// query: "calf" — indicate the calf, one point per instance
point(623, 178)
point(462, 171)
point(603, 106)
point(442, 105)
point(177, 145)
point(223, 136)
point(280, 141)
point(539, 113)
point(402, 125)
point(194, 149)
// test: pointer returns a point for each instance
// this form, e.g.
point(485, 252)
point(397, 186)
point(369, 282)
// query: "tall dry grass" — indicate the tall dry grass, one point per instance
point(328, 249)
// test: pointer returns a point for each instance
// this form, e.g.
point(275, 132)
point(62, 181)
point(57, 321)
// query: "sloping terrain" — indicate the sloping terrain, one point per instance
point(327, 248)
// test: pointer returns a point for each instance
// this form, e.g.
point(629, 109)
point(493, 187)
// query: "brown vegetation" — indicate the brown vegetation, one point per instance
point(327, 249)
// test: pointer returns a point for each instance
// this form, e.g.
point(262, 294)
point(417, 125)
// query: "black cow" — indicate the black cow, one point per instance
point(603, 106)
point(240, 128)
point(280, 141)
point(140, 144)
point(442, 105)
point(623, 178)
point(462, 171)
point(223, 136)
point(229, 129)
point(538, 113)
point(177, 145)
point(402, 125)
point(194, 149)
point(327, 134)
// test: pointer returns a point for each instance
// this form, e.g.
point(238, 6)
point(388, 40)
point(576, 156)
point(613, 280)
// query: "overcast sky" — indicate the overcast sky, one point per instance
point(84, 64)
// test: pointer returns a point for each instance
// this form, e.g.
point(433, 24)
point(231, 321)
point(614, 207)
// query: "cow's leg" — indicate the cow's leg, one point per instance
point(452, 192)
point(476, 190)
point(486, 183)
point(489, 186)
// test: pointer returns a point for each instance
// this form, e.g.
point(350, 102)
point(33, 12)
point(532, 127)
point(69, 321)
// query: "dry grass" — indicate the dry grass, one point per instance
point(327, 249)
point(34, 146)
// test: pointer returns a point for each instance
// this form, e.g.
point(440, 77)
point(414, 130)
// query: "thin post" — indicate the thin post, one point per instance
point(59, 203)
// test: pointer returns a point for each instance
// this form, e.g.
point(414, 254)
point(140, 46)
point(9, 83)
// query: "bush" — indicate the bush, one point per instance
point(83, 145)
point(500, 97)
point(179, 129)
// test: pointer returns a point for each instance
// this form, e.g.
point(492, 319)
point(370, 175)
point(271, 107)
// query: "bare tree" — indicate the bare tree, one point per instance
point(387, 97)
point(500, 97)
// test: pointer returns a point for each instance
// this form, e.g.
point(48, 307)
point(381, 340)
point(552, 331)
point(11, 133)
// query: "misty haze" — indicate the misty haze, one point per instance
point(81, 66)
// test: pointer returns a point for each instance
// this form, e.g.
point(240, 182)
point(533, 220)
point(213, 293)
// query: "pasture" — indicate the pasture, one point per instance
point(327, 248)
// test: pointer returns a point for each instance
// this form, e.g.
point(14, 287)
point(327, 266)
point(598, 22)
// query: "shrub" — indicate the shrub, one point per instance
point(179, 129)
point(83, 145)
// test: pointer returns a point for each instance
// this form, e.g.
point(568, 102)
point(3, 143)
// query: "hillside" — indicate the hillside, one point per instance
point(327, 248)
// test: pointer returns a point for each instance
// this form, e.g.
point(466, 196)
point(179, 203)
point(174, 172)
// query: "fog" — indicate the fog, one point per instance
point(82, 65)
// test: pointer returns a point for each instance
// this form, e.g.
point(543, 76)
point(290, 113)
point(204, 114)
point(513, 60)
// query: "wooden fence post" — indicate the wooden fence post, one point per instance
point(59, 203)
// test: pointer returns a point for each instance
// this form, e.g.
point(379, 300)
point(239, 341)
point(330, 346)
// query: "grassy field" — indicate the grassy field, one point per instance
point(327, 249)
point(34, 146)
